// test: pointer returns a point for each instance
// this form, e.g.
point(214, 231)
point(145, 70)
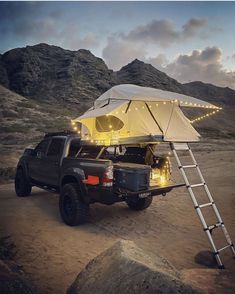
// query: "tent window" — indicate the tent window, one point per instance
point(108, 123)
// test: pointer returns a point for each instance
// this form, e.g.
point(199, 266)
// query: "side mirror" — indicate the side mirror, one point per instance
point(29, 151)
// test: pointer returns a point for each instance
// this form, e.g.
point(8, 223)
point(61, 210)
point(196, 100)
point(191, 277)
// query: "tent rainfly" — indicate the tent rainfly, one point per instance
point(128, 114)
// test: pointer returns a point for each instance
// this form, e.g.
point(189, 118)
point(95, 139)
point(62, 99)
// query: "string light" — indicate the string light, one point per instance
point(206, 115)
point(216, 110)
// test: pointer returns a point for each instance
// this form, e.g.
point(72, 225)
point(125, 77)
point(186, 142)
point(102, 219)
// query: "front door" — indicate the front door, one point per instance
point(36, 162)
point(53, 161)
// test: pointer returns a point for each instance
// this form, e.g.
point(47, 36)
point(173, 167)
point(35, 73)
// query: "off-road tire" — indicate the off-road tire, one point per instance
point(73, 210)
point(139, 203)
point(22, 184)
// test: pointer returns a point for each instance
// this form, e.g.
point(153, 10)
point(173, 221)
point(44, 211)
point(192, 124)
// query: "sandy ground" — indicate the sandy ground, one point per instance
point(53, 253)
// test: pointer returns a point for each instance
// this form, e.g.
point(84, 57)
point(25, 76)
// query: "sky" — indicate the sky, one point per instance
point(187, 40)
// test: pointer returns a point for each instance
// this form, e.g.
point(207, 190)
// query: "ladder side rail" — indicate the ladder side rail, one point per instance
point(191, 193)
point(206, 188)
point(198, 210)
point(216, 211)
point(198, 169)
point(216, 252)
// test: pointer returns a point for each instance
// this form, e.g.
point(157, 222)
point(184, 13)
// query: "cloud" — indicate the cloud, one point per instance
point(164, 32)
point(122, 48)
point(201, 65)
point(118, 52)
point(35, 22)
point(48, 30)
point(71, 38)
point(193, 26)
point(160, 61)
point(37, 29)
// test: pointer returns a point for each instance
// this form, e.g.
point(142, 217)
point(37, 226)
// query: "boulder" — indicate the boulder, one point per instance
point(125, 268)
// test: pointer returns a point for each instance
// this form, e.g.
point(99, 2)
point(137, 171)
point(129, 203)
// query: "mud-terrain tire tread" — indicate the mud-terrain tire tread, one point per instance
point(139, 203)
point(22, 184)
point(80, 210)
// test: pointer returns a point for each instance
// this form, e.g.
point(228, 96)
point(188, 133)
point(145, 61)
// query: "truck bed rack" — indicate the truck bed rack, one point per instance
point(62, 133)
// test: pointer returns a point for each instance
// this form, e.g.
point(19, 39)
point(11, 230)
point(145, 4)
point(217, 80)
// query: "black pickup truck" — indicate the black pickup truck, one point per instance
point(83, 173)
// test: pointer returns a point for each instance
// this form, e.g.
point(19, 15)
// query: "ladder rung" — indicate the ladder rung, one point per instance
point(205, 204)
point(224, 247)
point(212, 227)
point(180, 146)
point(196, 185)
point(189, 166)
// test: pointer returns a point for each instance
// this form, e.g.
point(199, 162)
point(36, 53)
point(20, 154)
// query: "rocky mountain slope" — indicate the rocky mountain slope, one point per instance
point(49, 73)
point(139, 73)
point(52, 74)
point(210, 93)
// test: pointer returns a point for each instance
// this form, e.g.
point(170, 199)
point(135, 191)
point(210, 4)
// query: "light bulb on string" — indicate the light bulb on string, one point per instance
point(204, 116)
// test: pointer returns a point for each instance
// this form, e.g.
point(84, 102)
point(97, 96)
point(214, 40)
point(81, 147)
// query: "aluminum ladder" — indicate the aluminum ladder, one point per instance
point(198, 207)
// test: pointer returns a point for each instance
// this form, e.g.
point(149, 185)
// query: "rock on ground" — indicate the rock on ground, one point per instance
point(206, 258)
point(125, 268)
point(13, 283)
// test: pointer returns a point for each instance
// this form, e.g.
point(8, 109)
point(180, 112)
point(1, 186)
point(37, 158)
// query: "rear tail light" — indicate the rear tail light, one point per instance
point(107, 179)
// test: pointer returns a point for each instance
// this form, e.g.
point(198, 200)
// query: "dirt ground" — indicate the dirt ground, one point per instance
point(53, 253)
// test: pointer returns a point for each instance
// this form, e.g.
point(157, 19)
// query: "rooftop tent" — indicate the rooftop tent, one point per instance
point(130, 114)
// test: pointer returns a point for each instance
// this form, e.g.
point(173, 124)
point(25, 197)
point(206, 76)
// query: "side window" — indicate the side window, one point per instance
point(74, 148)
point(89, 152)
point(108, 123)
point(42, 146)
point(55, 147)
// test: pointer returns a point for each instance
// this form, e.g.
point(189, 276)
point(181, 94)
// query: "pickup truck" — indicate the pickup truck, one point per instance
point(84, 173)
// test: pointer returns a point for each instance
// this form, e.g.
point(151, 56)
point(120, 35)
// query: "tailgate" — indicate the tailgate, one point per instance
point(152, 191)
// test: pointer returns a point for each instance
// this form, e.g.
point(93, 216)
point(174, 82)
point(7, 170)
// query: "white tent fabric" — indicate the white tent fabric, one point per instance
point(130, 114)
point(133, 92)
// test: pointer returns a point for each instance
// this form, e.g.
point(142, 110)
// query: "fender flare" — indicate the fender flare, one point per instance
point(78, 176)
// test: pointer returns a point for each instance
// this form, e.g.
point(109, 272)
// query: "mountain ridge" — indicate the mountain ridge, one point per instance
point(52, 74)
